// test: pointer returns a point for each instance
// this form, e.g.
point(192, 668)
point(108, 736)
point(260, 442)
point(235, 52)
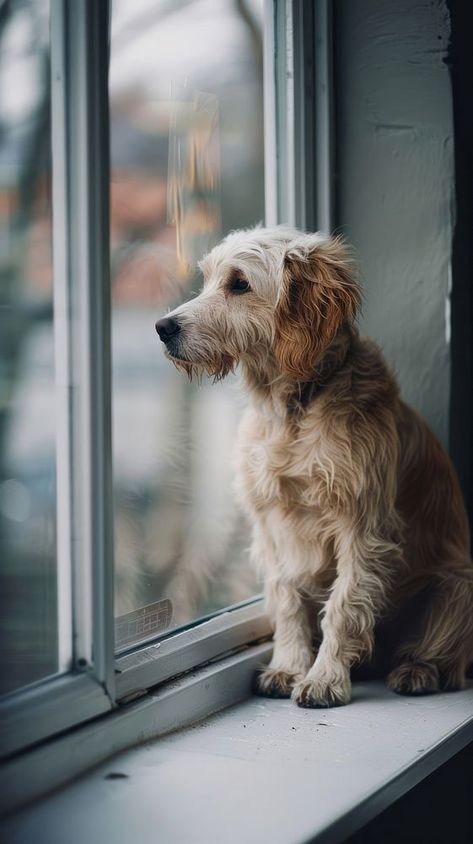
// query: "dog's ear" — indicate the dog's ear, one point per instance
point(318, 295)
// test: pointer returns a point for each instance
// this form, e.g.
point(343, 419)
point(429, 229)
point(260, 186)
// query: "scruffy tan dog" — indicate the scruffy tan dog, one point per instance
point(355, 506)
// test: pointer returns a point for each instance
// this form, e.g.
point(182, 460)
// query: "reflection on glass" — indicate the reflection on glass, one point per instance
point(187, 166)
point(28, 626)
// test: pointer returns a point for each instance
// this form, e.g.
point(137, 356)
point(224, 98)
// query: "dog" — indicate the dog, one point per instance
point(355, 507)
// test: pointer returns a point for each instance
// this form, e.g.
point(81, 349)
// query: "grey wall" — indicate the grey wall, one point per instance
point(395, 183)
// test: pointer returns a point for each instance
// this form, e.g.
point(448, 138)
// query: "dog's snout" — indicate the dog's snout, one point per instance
point(167, 327)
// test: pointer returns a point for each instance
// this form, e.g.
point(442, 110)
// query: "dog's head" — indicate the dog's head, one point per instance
point(275, 292)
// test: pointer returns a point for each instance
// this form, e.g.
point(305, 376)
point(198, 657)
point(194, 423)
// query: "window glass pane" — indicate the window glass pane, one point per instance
point(28, 625)
point(186, 94)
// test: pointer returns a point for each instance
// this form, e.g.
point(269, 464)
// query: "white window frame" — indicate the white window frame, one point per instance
point(298, 154)
point(79, 74)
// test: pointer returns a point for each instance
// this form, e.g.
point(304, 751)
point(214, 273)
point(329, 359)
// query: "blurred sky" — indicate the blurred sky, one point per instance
point(204, 32)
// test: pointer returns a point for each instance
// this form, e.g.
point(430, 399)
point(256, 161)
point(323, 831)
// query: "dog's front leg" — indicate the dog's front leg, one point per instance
point(293, 653)
point(363, 571)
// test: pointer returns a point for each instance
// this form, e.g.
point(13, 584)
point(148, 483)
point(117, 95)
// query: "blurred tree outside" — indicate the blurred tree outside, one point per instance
point(28, 647)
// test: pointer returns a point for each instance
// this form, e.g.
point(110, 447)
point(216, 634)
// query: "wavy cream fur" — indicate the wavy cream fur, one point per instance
point(355, 506)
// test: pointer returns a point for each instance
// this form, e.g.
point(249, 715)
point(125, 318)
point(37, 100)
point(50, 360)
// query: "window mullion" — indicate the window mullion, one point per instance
point(62, 337)
point(299, 114)
point(83, 257)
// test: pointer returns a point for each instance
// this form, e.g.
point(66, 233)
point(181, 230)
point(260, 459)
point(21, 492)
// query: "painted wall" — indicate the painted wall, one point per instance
point(395, 184)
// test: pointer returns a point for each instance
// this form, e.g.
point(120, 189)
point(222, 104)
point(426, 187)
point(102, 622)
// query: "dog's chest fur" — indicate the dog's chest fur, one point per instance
point(287, 479)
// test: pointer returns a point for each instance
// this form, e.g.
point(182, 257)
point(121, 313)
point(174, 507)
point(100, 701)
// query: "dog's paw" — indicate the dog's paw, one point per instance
point(314, 692)
point(272, 682)
point(414, 678)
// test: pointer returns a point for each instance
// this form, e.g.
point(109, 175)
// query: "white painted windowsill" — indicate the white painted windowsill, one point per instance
point(262, 770)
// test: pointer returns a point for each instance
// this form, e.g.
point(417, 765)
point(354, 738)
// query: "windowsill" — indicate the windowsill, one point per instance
point(262, 770)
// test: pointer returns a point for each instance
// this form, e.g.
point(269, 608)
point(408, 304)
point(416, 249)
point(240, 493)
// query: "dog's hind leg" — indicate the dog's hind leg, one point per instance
point(439, 657)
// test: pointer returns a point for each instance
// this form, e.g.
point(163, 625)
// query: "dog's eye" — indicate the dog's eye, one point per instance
point(239, 285)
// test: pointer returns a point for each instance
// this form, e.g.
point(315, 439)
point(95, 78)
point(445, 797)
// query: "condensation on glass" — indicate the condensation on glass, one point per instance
point(28, 581)
point(186, 95)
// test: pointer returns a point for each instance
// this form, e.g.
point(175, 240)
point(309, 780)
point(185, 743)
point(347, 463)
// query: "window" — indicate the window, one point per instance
point(101, 102)
point(123, 559)
point(56, 552)
point(187, 165)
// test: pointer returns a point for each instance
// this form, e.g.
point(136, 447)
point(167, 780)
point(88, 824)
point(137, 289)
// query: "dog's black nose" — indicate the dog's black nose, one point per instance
point(167, 328)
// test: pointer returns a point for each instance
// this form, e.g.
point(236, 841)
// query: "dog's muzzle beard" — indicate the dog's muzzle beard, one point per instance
point(197, 361)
